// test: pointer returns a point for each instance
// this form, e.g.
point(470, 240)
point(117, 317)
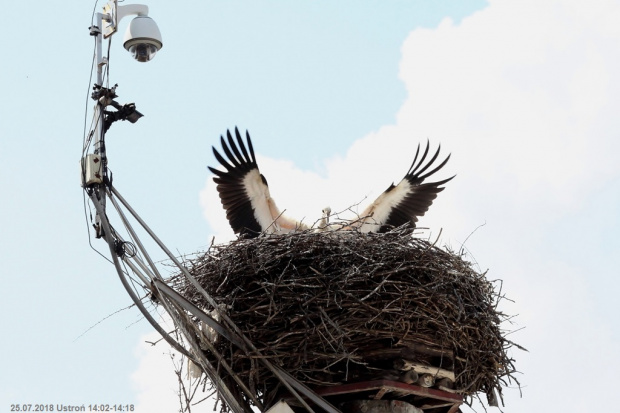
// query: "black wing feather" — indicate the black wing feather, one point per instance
point(238, 163)
point(421, 196)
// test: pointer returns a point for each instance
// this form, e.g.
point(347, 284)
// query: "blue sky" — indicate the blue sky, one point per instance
point(524, 95)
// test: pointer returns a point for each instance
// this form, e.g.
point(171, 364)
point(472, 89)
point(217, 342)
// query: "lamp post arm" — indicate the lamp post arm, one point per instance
point(113, 13)
point(131, 9)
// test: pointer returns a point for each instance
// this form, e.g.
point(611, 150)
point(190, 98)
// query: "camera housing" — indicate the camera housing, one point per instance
point(142, 38)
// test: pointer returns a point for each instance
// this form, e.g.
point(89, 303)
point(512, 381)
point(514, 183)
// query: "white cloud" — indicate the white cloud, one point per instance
point(526, 96)
point(155, 381)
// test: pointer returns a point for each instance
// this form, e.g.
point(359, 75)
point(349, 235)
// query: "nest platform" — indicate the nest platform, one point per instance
point(336, 309)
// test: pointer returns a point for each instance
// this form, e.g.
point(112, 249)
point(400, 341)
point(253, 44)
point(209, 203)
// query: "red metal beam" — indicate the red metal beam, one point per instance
point(389, 385)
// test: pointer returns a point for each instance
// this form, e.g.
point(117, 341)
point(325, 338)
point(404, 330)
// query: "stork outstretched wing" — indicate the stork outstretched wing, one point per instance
point(244, 191)
point(251, 211)
point(405, 202)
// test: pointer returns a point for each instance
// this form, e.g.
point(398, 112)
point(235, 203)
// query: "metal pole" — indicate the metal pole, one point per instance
point(99, 49)
point(99, 132)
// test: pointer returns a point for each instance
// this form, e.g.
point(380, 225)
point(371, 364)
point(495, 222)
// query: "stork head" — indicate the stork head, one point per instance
point(324, 221)
point(327, 211)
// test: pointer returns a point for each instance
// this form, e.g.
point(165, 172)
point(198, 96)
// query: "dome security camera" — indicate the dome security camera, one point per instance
point(143, 39)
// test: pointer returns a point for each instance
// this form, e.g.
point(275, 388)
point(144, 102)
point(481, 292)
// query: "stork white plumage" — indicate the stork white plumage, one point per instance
point(251, 211)
point(324, 221)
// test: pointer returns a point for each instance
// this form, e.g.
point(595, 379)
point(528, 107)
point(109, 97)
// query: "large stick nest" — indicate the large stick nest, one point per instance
point(331, 308)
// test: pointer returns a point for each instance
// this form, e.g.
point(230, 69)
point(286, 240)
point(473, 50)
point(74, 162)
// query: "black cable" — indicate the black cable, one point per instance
point(133, 284)
point(88, 229)
point(90, 82)
point(125, 249)
point(92, 17)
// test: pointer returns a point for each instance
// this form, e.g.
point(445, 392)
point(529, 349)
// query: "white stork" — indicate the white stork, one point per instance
point(251, 211)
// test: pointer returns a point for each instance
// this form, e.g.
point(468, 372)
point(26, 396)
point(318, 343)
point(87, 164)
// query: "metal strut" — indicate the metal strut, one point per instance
point(198, 359)
point(235, 336)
